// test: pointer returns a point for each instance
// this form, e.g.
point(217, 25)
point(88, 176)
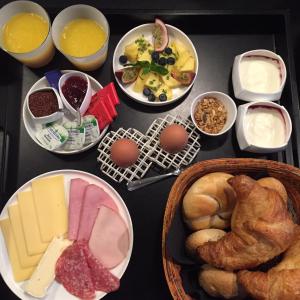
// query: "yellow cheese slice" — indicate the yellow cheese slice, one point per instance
point(50, 205)
point(34, 243)
point(19, 273)
point(17, 229)
point(44, 274)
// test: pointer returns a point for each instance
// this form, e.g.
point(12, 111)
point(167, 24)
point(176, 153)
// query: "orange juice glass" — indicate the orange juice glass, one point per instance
point(44, 51)
point(81, 12)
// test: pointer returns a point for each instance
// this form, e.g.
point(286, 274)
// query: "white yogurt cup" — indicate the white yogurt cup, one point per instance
point(241, 130)
point(241, 92)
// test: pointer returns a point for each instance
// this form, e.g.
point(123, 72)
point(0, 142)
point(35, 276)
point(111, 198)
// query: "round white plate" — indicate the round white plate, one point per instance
point(56, 290)
point(146, 29)
point(33, 127)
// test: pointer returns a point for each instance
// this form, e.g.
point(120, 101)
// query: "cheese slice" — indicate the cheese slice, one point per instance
point(17, 229)
point(33, 241)
point(44, 274)
point(19, 273)
point(50, 205)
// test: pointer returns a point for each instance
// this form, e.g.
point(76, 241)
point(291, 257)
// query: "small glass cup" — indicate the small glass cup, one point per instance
point(43, 54)
point(90, 62)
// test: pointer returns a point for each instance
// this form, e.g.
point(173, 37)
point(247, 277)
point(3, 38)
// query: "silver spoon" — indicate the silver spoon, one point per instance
point(134, 185)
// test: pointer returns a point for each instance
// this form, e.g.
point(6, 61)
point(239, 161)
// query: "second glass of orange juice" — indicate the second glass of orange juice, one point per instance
point(81, 33)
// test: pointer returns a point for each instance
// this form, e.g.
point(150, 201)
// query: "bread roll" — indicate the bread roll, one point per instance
point(209, 202)
point(275, 184)
point(218, 283)
point(200, 237)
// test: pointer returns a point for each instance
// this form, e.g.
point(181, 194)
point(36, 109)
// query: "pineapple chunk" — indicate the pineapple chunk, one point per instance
point(189, 65)
point(169, 81)
point(179, 46)
point(131, 51)
point(182, 59)
point(153, 81)
point(164, 89)
point(140, 82)
point(145, 56)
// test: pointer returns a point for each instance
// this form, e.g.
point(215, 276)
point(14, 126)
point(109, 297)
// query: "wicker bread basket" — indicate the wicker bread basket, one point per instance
point(256, 168)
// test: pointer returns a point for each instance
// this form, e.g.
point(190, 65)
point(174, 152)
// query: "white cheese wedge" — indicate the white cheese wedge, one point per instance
point(44, 274)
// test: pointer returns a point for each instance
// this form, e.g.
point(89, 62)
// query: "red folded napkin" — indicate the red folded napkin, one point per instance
point(103, 104)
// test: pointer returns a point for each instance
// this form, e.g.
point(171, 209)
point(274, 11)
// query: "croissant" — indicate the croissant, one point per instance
point(261, 228)
point(209, 202)
point(274, 184)
point(281, 282)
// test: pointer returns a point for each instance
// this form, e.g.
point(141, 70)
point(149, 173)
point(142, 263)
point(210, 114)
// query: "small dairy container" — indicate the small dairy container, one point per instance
point(88, 95)
point(49, 118)
point(258, 74)
point(263, 127)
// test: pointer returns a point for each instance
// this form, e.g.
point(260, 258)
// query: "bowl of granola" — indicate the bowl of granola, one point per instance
point(213, 113)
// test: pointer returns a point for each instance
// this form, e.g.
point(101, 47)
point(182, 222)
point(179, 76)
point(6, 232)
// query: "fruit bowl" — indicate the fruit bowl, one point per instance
point(145, 30)
point(174, 231)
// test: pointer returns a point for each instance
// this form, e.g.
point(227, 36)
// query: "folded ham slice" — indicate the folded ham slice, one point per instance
point(109, 241)
point(94, 198)
point(77, 189)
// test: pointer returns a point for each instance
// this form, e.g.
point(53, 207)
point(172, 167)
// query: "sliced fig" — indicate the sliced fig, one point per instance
point(127, 75)
point(160, 35)
point(185, 78)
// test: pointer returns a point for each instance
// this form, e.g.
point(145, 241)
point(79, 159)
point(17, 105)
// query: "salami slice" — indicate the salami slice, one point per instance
point(102, 278)
point(73, 272)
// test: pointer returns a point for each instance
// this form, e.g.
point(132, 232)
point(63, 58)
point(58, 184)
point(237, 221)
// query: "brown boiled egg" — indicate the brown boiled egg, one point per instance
point(124, 152)
point(173, 138)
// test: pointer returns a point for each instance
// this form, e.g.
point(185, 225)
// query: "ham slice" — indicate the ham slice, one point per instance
point(109, 241)
point(77, 189)
point(94, 198)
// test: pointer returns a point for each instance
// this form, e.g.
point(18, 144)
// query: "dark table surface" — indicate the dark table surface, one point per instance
point(144, 277)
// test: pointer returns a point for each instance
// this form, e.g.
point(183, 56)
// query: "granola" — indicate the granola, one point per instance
point(210, 115)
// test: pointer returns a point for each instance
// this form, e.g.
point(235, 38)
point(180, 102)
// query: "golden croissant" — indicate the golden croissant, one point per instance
point(281, 282)
point(261, 228)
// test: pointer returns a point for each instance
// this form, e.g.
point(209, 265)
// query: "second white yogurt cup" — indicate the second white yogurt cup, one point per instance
point(242, 128)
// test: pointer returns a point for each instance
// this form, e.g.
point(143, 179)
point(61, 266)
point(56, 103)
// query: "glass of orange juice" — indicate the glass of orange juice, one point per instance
point(81, 33)
point(25, 33)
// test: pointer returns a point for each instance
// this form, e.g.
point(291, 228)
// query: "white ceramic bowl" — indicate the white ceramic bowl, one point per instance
point(50, 118)
point(146, 29)
point(244, 144)
point(241, 92)
point(226, 101)
point(88, 96)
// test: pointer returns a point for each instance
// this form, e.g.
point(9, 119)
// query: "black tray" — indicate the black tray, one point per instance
point(218, 37)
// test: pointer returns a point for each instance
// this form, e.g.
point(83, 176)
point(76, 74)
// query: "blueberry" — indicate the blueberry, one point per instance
point(151, 98)
point(147, 92)
point(162, 61)
point(155, 56)
point(162, 97)
point(168, 50)
point(123, 59)
point(171, 61)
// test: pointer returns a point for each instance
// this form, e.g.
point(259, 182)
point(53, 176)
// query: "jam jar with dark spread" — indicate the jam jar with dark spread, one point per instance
point(74, 90)
point(43, 103)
